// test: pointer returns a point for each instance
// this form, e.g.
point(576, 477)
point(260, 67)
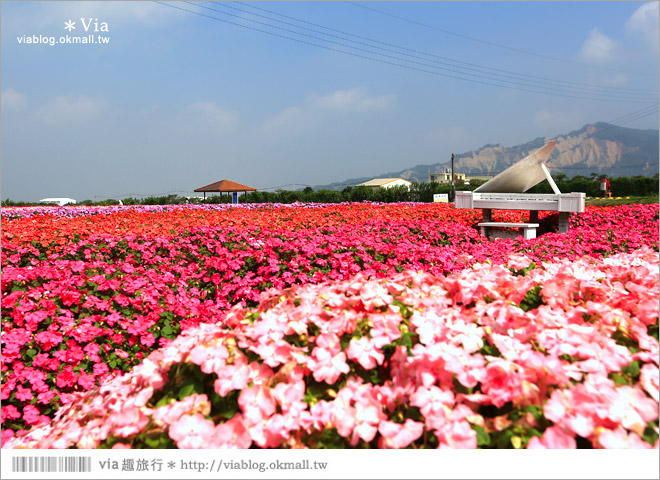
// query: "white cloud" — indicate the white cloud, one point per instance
point(564, 121)
point(13, 100)
point(291, 120)
point(356, 99)
point(300, 118)
point(212, 116)
point(70, 109)
point(598, 47)
point(644, 21)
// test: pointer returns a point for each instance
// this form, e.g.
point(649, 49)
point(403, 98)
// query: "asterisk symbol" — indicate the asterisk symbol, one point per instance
point(171, 464)
point(69, 25)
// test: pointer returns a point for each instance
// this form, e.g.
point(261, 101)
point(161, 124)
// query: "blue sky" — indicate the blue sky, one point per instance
point(177, 100)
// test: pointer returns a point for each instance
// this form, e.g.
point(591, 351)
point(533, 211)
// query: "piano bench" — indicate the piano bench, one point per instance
point(528, 230)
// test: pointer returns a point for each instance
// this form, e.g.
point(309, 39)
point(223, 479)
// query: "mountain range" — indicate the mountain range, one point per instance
point(595, 148)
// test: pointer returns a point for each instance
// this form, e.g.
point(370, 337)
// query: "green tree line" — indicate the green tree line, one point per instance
point(417, 192)
point(620, 186)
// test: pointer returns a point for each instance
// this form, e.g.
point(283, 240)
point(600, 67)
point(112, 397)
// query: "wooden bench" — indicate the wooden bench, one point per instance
point(528, 229)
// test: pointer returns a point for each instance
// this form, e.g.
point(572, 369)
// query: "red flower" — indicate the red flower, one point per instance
point(66, 378)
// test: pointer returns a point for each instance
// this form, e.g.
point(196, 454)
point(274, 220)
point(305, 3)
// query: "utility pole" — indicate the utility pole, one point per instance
point(452, 194)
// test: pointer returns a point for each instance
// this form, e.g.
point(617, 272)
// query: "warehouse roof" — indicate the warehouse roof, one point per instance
point(380, 182)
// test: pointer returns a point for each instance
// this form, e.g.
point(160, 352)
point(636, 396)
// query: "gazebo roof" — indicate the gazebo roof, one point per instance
point(225, 186)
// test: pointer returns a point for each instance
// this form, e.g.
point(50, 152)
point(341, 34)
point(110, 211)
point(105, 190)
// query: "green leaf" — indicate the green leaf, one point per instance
point(524, 271)
point(190, 386)
point(618, 379)
point(535, 410)
point(650, 435)
point(163, 401)
point(153, 442)
point(167, 332)
point(653, 331)
point(330, 438)
point(532, 299)
point(490, 350)
point(483, 439)
point(504, 440)
point(632, 369)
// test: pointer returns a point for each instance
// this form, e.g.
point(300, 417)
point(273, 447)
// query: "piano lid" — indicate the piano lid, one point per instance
point(522, 176)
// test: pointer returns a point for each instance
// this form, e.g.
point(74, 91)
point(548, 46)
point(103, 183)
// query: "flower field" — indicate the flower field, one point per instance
point(327, 326)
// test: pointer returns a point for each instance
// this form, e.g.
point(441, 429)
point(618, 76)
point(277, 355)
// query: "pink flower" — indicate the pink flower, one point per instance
point(66, 378)
point(44, 360)
point(257, 403)
point(147, 339)
point(518, 262)
point(457, 435)
point(73, 353)
point(342, 416)
point(573, 408)
point(374, 295)
point(32, 416)
point(10, 412)
point(128, 421)
point(231, 434)
point(232, 377)
point(503, 383)
point(210, 359)
point(650, 378)
point(364, 352)
point(23, 394)
point(192, 431)
point(553, 437)
point(328, 362)
point(171, 412)
point(100, 368)
point(86, 381)
point(121, 353)
point(289, 395)
point(633, 409)
point(432, 400)
point(619, 438)
point(45, 397)
point(7, 435)
point(396, 435)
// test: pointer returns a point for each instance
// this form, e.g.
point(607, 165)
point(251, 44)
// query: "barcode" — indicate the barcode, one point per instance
point(51, 464)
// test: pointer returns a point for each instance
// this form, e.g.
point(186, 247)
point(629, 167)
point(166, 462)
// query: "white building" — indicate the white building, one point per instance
point(445, 177)
point(386, 183)
point(57, 201)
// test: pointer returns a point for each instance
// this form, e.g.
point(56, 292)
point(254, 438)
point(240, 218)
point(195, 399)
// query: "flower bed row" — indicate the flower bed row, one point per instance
point(554, 355)
point(57, 224)
point(75, 318)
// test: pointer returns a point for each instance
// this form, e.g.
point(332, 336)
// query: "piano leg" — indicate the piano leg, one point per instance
point(563, 222)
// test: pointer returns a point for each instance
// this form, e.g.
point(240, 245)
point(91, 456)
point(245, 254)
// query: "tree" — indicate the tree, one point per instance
point(360, 194)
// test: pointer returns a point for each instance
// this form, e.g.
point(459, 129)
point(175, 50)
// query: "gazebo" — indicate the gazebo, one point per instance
point(226, 186)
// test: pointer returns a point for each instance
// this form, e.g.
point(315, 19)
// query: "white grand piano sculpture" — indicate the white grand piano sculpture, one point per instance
point(506, 191)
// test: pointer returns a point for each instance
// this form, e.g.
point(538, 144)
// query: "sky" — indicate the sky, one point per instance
point(287, 94)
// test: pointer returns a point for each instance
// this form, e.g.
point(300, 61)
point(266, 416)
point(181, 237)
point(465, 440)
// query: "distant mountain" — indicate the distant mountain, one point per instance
point(597, 148)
